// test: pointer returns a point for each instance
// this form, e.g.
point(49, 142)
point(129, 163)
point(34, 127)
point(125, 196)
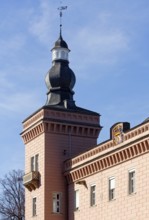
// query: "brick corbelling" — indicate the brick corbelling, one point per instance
point(135, 132)
point(33, 133)
point(71, 116)
point(59, 128)
point(39, 115)
point(103, 163)
point(58, 115)
point(88, 154)
point(72, 129)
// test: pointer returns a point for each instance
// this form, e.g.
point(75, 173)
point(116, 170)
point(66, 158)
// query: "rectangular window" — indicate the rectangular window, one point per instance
point(34, 206)
point(131, 181)
point(112, 188)
point(93, 195)
point(57, 202)
point(34, 163)
point(77, 200)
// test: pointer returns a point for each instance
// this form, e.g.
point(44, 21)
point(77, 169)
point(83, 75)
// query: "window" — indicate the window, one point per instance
point(58, 54)
point(111, 188)
point(76, 199)
point(54, 55)
point(131, 181)
point(93, 195)
point(34, 206)
point(57, 202)
point(34, 163)
point(63, 54)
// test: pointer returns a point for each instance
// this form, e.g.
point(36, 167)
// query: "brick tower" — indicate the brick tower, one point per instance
point(54, 133)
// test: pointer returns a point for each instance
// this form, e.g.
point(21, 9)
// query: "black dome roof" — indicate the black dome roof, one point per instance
point(60, 80)
point(61, 43)
point(60, 76)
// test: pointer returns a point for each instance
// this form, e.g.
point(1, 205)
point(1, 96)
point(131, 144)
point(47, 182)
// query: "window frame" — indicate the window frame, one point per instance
point(37, 162)
point(131, 181)
point(34, 163)
point(56, 202)
point(111, 188)
point(93, 195)
point(34, 206)
point(76, 199)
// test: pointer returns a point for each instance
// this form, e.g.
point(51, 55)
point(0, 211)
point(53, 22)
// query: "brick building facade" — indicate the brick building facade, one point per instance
point(67, 175)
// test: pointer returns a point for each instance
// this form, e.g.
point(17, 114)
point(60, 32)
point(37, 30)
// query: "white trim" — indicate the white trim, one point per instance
point(131, 181)
point(56, 202)
point(92, 195)
point(34, 162)
point(76, 199)
point(111, 188)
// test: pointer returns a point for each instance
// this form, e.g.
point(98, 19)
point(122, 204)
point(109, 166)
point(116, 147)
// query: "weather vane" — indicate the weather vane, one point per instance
point(61, 9)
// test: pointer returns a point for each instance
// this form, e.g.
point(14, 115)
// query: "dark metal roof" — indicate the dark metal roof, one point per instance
point(60, 43)
point(60, 80)
point(60, 75)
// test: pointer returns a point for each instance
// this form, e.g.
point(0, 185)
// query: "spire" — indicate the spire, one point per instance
point(61, 9)
point(57, 53)
point(60, 34)
point(60, 79)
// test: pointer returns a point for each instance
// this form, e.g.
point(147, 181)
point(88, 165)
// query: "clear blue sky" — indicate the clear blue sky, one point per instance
point(109, 42)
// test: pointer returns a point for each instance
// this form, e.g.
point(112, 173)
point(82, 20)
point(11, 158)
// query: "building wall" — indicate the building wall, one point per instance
point(58, 148)
point(55, 139)
point(124, 206)
point(31, 149)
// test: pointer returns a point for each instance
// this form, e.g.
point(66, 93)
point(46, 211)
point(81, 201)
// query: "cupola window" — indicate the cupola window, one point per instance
point(60, 53)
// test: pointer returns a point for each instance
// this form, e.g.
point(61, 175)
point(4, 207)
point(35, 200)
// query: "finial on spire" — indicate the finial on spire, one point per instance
point(61, 8)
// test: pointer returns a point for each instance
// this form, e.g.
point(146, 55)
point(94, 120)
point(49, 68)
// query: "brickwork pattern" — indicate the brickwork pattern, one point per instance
point(31, 149)
point(55, 136)
point(124, 206)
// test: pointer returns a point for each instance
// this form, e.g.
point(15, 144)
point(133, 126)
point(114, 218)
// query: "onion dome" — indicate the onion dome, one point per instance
point(60, 79)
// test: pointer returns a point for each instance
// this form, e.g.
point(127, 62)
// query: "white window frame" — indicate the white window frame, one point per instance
point(35, 163)
point(32, 163)
point(92, 195)
point(76, 199)
point(111, 188)
point(57, 200)
point(131, 181)
point(34, 206)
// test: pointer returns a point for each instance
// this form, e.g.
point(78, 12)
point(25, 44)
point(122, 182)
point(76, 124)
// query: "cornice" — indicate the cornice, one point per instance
point(107, 161)
point(55, 127)
point(64, 123)
point(106, 155)
point(131, 136)
point(53, 113)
